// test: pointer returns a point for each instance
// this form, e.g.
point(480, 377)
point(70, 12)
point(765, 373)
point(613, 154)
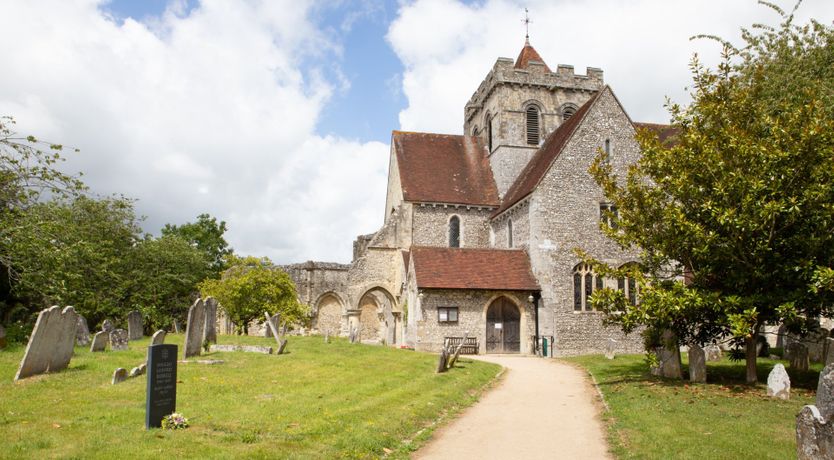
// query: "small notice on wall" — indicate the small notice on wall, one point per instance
point(499, 325)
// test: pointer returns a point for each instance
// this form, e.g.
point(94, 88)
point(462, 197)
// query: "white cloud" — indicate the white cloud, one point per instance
point(210, 111)
point(643, 47)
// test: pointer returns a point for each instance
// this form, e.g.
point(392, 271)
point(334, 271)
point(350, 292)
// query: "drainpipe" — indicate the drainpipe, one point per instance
point(534, 299)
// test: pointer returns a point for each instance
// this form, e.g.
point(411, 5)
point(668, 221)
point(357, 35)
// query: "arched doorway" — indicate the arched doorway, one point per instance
point(503, 327)
point(328, 318)
point(379, 317)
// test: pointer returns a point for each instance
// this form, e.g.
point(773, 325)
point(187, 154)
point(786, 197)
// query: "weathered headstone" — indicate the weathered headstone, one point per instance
point(282, 345)
point(210, 329)
point(668, 357)
point(158, 337)
point(271, 325)
point(119, 376)
point(798, 356)
point(118, 340)
point(610, 346)
point(246, 348)
point(137, 371)
point(134, 325)
point(441, 361)
point(779, 383)
point(194, 329)
point(2, 336)
point(107, 326)
point(697, 364)
point(161, 398)
point(815, 424)
point(100, 340)
point(713, 353)
point(829, 351)
point(51, 344)
point(82, 332)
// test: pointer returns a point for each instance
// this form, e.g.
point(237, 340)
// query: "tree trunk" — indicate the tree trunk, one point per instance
point(751, 355)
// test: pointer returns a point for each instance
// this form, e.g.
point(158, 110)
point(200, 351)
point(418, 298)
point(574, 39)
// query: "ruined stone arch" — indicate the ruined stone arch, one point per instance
point(328, 310)
point(379, 316)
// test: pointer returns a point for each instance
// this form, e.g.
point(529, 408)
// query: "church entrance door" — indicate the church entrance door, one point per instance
point(503, 333)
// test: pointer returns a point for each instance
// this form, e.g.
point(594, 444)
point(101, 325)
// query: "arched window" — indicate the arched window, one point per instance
point(629, 286)
point(454, 232)
point(585, 281)
point(533, 125)
point(489, 133)
point(568, 112)
point(509, 233)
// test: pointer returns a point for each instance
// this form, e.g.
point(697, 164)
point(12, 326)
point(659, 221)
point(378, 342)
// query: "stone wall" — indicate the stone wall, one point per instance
point(431, 225)
point(472, 307)
point(520, 217)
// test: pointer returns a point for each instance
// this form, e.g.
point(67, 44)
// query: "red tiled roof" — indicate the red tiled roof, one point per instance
point(538, 165)
point(527, 54)
point(441, 168)
point(470, 268)
point(666, 133)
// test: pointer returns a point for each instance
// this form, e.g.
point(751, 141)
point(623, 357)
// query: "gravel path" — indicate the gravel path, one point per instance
point(541, 409)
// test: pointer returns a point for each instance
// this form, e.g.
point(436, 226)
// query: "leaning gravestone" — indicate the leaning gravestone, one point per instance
point(194, 329)
point(82, 332)
point(119, 376)
point(158, 337)
point(161, 398)
point(779, 383)
point(107, 326)
point(610, 346)
point(118, 340)
point(815, 424)
point(798, 356)
point(51, 343)
point(100, 340)
point(713, 353)
point(697, 364)
point(272, 326)
point(210, 328)
point(2, 337)
point(134, 325)
point(441, 361)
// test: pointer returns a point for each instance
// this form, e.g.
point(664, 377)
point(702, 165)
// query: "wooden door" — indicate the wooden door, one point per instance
point(503, 334)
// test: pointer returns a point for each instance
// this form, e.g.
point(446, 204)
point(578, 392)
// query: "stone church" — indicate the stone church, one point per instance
point(480, 228)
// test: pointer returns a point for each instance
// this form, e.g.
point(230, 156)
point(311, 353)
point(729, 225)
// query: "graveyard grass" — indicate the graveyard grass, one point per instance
point(319, 400)
point(653, 418)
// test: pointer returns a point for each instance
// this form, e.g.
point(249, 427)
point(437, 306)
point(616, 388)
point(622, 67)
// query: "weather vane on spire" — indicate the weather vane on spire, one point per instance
point(526, 22)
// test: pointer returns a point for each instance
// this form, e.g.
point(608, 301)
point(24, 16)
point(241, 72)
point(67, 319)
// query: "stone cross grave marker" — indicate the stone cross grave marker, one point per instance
point(118, 340)
point(779, 383)
point(134, 325)
point(100, 340)
point(194, 329)
point(82, 332)
point(210, 328)
point(162, 384)
point(697, 364)
point(158, 337)
point(51, 344)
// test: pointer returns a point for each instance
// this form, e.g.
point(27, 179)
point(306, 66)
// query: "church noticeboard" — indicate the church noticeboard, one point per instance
point(162, 384)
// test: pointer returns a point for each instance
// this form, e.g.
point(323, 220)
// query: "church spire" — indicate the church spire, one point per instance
point(528, 53)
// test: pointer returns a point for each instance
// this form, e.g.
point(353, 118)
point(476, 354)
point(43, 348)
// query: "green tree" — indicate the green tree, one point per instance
point(743, 203)
point(252, 286)
point(207, 235)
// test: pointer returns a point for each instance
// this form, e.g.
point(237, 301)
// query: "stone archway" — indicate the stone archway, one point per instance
point(379, 317)
point(328, 319)
point(503, 327)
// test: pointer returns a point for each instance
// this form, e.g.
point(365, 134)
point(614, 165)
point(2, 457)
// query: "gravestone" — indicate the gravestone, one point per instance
point(815, 423)
point(326, 337)
point(668, 357)
point(246, 348)
point(82, 332)
point(138, 370)
point(282, 345)
point(158, 337)
point(100, 340)
point(210, 329)
point(798, 356)
point(176, 327)
point(441, 361)
point(2, 336)
point(119, 376)
point(271, 329)
point(779, 383)
point(713, 353)
point(194, 329)
point(107, 326)
point(610, 346)
point(161, 397)
point(118, 340)
point(697, 364)
point(829, 351)
point(51, 344)
point(134, 325)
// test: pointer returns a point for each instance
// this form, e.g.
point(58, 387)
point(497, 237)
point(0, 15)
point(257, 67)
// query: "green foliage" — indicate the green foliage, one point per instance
point(743, 202)
point(252, 286)
point(206, 235)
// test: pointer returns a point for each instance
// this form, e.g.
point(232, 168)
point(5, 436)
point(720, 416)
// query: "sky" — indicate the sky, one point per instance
point(276, 116)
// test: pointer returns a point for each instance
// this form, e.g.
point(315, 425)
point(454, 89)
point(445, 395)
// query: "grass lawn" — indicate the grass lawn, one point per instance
point(652, 418)
point(320, 400)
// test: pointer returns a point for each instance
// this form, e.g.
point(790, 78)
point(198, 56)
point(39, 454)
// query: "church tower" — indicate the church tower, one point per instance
point(519, 103)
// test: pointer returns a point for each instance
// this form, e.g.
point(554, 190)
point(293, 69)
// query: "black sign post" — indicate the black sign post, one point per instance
point(162, 384)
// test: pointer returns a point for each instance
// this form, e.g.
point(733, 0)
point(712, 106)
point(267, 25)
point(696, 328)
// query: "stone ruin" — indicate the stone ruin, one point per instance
point(815, 423)
point(51, 344)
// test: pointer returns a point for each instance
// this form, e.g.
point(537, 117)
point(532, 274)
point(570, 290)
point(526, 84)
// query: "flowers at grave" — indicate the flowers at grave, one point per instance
point(174, 421)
